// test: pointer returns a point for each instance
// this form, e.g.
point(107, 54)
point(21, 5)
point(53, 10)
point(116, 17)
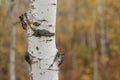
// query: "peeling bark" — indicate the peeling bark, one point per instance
point(42, 56)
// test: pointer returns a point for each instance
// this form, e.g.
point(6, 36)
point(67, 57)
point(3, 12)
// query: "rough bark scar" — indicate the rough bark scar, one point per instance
point(29, 58)
point(58, 60)
point(22, 19)
point(43, 32)
point(25, 21)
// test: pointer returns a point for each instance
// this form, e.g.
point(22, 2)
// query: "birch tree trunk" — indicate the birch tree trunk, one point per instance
point(13, 40)
point(42, 56)
point(102, 26)
point(102, 34)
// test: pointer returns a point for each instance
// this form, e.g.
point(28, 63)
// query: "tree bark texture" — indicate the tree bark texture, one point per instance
point(42, 56)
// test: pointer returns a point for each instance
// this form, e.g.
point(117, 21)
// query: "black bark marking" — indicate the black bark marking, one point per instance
point(43, 32)
point(48, 40)
point(50, 25)
point(25, 21)
point(32, 7)
point(34, 62)
point(53, 3)
point(24, 24)
point(41, 73)
point(37, 48)
point(36, 24)
point(28, 58)
point(43, 20)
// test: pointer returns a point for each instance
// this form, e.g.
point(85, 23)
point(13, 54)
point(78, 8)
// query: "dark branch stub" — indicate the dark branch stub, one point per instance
point(39, 33)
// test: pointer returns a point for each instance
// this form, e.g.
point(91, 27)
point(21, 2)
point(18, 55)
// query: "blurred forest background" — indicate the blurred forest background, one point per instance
point(88, 31)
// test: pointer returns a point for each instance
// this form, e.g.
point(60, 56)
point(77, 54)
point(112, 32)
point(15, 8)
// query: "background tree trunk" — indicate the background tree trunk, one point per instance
point(13, 40)
point(42, 56)
point(94, 48)
point(103, 48)
point(102, 26)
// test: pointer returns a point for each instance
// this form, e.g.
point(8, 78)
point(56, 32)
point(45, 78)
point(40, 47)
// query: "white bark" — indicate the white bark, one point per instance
point(13, 40)
point(42, 54)
point(102, 26)
point(102, 33)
